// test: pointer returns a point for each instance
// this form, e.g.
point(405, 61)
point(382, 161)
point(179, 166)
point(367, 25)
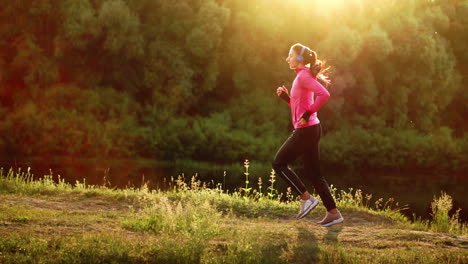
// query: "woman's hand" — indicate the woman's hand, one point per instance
point(282, 89)
point(302, 122)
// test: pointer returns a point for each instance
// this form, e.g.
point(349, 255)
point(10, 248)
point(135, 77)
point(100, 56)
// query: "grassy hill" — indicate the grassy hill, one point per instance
point(46, 221)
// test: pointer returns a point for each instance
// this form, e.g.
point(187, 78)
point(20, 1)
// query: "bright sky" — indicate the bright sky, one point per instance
point(330, 4)
point(325, 4)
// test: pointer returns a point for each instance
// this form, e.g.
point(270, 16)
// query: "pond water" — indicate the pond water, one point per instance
point(416, 190)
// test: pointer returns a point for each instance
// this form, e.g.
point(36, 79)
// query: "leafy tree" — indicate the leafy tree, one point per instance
point(197, 78)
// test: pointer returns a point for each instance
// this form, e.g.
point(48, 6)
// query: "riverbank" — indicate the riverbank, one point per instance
point(47, 222)
point(415, 188)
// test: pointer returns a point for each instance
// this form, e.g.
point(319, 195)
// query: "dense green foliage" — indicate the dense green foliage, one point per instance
point(196, 79)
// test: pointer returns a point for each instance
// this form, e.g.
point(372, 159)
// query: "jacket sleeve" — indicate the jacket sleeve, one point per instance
point(318, 89)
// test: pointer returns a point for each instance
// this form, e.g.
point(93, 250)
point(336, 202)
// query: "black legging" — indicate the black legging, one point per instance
point(304, 142)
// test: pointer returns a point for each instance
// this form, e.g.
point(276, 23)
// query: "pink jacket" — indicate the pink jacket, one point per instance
point(302, 97)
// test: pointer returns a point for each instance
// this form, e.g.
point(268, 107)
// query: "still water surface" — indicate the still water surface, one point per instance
point(416, 190)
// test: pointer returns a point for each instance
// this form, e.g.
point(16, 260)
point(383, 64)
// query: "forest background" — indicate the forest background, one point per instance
point(197, 79)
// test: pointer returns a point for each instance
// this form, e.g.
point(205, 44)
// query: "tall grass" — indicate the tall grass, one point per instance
point(197, 218)
point(442, 221)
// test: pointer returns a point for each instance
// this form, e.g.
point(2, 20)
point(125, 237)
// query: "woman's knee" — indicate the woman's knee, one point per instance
point(278, 165)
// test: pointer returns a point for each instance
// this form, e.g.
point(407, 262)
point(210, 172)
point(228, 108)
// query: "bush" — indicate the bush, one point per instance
point(389, 148)
point(67, 120)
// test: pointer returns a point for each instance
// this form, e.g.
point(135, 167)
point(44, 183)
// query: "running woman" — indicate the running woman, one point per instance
point(305, 138)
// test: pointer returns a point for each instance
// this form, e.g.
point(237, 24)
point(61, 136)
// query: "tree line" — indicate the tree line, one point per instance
point(196, 79)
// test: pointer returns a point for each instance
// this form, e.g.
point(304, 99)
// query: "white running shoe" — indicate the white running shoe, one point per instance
point(331, 219)
point(307, 206)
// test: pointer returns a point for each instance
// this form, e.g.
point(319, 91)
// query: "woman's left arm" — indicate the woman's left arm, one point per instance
point(321, 92)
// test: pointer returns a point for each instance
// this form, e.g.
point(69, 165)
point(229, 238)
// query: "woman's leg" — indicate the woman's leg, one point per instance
point(287, 153)
point(312, 167)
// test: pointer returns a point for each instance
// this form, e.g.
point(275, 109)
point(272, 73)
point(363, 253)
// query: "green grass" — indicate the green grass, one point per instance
point(46, 222)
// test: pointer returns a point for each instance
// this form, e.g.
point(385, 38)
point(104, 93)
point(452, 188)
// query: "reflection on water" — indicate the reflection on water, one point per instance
point(416, 190)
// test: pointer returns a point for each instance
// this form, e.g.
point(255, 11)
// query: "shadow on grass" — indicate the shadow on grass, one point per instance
point(332, 233)
point(307, 250)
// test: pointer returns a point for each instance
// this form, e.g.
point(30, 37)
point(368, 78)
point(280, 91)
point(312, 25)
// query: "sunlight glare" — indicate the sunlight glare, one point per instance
point(324, 4)
point(330, 4)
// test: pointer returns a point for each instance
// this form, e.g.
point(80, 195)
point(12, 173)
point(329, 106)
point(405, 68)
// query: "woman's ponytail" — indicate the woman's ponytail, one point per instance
point(316, 68)
point(319, 71)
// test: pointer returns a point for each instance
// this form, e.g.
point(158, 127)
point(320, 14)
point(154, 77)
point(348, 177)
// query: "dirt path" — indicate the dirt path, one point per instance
point(64, 203)
point(71, 215)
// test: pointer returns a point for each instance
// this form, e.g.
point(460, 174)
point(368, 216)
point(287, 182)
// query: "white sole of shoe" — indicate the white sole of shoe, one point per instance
point(307, 211)
point(334, 222)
